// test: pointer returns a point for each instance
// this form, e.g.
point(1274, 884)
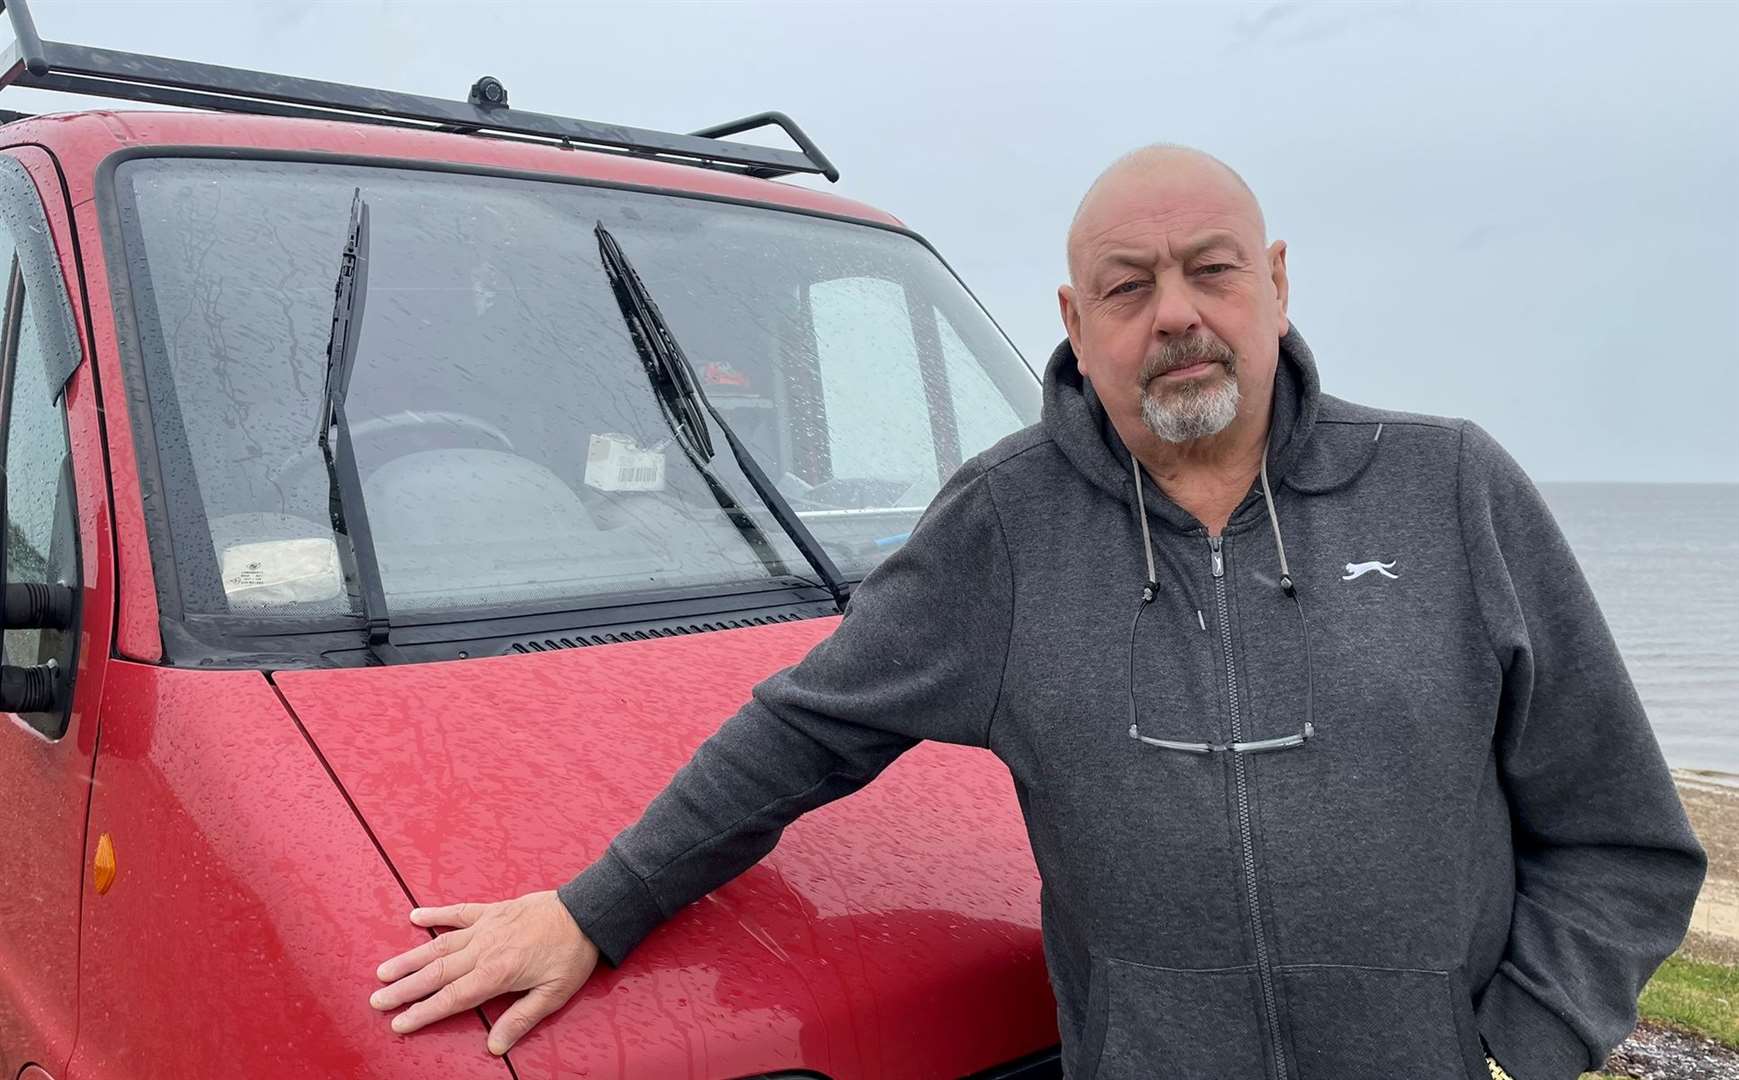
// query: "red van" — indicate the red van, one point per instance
point(397, 490)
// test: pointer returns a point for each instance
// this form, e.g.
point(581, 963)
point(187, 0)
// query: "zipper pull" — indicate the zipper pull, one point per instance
point(1219, 558)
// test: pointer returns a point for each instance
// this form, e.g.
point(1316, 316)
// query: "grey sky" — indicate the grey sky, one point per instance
point(1521, 214)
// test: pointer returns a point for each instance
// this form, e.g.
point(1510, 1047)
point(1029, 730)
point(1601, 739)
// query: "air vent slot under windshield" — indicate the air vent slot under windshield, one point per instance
point(648, 632)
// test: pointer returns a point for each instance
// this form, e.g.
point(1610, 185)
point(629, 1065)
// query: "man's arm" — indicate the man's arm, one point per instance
point(1607, 867)
point(919, 655)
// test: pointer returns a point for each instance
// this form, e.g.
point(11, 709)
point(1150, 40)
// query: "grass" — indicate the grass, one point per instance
point(1695, 995)
point(1691, 995)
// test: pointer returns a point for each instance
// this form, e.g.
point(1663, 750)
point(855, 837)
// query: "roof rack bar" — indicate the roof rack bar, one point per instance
point(52, 65)
point(138, 77)
point(29, 41)
point(776, 119)
point(193, 99)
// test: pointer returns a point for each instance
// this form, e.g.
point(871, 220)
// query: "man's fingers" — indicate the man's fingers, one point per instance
point(420, 957)
point(530, 943)
point(523, 1015)
point(432, 976)
point(467, 992)
point(451, 915)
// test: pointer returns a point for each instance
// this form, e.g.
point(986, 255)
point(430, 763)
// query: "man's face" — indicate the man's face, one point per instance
point(1176, 309)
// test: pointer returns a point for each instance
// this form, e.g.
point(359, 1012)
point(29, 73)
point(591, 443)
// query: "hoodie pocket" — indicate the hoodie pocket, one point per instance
point(1156, 1023)
point(1366, 1023)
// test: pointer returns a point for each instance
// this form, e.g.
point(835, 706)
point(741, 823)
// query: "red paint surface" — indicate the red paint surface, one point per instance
point(45, 785)
point(249, 908)
point(891, 934)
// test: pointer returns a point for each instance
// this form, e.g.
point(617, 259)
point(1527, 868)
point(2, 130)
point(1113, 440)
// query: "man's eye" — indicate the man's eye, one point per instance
point(1214, 268)
point(1126, 288)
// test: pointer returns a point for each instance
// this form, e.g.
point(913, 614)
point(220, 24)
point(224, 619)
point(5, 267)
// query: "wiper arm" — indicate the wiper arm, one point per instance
point(356, 553)
point(681, 396)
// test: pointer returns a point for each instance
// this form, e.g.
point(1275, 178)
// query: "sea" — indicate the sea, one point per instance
point(1663, 560)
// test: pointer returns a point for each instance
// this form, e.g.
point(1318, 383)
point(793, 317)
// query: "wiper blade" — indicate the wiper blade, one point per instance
point(672, 380)
point(683, 400)
point(350, 529)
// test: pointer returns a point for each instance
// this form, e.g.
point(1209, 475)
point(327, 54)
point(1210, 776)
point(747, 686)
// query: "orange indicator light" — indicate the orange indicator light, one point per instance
point(103, 866)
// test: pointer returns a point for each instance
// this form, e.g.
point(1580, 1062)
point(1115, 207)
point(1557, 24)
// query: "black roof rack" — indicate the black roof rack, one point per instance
point(79, 69)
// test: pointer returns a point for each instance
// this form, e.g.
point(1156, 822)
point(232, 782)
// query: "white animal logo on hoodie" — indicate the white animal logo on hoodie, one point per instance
point(1359, 570)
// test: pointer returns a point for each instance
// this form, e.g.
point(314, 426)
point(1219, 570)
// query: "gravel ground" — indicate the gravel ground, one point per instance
point(1653, 1053)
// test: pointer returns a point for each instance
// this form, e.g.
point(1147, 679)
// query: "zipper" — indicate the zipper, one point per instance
point(1264, 970)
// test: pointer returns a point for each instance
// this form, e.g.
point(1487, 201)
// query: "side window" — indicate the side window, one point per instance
point(38, 351)
point(879, 434)
point(983, 414)
point(36, 456)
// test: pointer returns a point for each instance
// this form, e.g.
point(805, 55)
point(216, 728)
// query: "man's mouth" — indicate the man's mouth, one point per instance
point(1190, 370)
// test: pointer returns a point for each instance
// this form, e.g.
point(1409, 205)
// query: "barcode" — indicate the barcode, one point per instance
point(645, 474)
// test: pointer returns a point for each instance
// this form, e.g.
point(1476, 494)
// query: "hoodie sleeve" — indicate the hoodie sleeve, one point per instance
point(920, 654)
point(1607, 867)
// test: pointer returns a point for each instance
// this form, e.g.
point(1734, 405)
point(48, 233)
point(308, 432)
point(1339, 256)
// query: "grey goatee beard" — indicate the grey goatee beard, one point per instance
point(1195, 409)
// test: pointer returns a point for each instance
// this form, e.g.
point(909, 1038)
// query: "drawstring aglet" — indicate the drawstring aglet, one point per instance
point(1286, 585)
point(1149, 591)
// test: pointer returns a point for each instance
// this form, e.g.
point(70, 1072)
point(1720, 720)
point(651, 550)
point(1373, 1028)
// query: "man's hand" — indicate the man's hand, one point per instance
point(529, 944)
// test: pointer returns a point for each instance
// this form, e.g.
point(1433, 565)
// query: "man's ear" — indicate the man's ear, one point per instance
point(1282, 289)
point(1071, 312)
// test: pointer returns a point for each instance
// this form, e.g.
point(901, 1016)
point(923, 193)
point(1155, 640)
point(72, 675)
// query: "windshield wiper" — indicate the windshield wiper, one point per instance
point(350, 529)
point(682, 399)
point(672, 379)
point(679, 409)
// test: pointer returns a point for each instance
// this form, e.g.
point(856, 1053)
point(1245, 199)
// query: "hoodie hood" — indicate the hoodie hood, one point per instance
point(1076, 421)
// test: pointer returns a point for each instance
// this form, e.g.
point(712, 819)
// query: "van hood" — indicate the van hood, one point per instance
point(895, 932)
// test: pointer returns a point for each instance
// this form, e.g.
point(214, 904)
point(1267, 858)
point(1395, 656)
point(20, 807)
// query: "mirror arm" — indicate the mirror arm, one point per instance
point(37, 606)
point(31, 689)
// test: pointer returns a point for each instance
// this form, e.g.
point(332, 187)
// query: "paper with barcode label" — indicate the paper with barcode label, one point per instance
point(616, 463)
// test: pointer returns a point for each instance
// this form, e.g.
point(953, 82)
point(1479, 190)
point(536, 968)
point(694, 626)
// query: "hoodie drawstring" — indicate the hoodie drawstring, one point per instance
point(1151, 589)
point(1274, 523)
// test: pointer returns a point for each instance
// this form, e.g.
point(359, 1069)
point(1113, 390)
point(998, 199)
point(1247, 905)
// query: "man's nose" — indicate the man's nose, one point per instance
point(1175, 313)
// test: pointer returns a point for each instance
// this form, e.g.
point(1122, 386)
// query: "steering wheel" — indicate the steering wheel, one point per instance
point(411, 429)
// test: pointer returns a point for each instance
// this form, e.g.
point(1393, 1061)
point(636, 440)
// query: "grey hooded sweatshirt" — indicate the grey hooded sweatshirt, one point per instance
point(1479, 839)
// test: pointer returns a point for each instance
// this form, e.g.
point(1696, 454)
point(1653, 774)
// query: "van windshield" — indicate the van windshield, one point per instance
point(511, 446)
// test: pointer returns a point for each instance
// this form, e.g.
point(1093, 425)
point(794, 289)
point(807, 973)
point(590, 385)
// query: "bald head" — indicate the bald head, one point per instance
point(1156, 180)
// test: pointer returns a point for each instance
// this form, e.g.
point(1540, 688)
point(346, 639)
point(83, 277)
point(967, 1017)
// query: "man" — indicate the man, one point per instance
point(1329, 763)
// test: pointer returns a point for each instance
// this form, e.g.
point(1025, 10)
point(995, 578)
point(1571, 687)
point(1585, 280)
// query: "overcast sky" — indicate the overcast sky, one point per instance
point(1525, 214)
